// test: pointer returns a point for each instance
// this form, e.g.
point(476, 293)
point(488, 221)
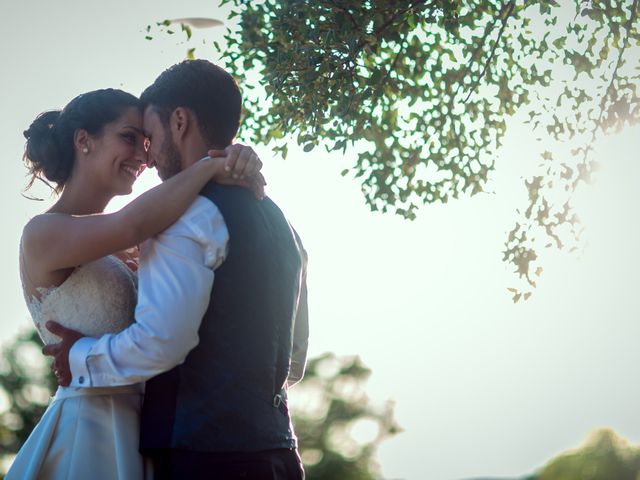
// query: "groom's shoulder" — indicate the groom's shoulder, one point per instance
point(202, 214)
point(236, 200)
point(232, 193)
point(233, 199)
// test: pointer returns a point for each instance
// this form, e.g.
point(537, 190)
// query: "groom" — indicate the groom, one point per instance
point(222, 295)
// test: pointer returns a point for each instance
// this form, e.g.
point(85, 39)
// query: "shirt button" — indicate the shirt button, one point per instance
point(81, 380)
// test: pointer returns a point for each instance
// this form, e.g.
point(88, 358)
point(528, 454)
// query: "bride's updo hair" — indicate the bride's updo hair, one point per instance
point(50, 151)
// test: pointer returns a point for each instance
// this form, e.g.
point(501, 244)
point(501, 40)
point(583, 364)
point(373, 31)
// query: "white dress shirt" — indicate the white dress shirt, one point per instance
point(175, 278)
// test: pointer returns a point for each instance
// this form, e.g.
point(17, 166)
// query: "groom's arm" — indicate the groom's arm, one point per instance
point(175, 278)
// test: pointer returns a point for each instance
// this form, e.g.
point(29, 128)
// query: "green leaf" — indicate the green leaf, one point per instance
point(186, 29)
point(560, 42)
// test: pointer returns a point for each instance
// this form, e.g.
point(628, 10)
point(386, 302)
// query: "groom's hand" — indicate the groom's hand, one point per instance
point(60, 351)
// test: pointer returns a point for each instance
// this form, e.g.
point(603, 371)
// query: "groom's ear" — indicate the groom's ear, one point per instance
point(179, 123)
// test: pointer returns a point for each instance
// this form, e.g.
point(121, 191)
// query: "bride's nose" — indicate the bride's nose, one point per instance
point(141, 155)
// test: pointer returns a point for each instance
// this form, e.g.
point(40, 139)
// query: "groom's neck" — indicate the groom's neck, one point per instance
point(193, 151)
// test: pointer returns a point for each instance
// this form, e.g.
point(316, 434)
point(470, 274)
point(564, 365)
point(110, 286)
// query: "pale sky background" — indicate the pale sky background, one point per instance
point(482, 386)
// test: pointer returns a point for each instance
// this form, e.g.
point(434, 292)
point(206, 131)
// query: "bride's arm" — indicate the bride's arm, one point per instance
point(57, 241)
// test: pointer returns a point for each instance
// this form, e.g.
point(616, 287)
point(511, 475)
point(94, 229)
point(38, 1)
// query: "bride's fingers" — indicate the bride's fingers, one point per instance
point(55, 327)
point(233, 154)
point(245, 163)
point(241, 160)
point(64, 380)
point(256, 184)
point(59, 330)
point(254, 165)
point(260, 179)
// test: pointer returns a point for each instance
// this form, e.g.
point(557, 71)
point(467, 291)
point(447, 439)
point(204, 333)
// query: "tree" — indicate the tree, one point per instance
point(330, 409)
point(26, 384)
point(327, 406)
point(423, 91)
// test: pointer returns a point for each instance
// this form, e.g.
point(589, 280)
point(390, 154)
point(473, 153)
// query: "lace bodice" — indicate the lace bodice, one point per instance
point(97, 298)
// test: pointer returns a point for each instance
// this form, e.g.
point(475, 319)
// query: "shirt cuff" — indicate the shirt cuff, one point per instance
point(78, 362)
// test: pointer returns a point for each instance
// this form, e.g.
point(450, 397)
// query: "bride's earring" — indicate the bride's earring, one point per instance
point(85, 150)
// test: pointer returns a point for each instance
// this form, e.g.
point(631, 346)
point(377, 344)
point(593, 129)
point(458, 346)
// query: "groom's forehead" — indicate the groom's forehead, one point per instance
point(150, 119)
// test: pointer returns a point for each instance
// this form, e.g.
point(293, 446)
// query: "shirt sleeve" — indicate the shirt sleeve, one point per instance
point(301, 326)
point(175, 278)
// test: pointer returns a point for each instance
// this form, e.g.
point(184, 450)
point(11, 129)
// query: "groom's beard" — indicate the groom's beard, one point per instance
point(172, 160)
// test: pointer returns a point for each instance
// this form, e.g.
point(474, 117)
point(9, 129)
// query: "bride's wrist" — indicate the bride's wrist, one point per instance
point(215, 167)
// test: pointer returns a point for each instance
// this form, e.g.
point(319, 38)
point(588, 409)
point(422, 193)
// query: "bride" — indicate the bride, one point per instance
point(77, 264)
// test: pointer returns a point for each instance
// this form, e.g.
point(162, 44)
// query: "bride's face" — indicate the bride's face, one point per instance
point(119, 154)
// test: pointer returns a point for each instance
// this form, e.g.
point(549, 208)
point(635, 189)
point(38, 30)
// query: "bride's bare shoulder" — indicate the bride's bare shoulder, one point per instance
point(35, 246)
point(38, 228)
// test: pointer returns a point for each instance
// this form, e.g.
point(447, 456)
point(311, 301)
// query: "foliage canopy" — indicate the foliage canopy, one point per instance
point(423, 92)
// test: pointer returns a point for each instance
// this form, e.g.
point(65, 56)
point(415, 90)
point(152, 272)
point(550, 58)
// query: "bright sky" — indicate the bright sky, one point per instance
point(482, 386)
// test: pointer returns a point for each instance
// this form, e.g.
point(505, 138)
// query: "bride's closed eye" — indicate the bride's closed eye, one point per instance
point(129, 137)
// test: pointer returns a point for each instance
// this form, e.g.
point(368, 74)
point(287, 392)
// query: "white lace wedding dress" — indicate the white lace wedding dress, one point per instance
point(86, 433)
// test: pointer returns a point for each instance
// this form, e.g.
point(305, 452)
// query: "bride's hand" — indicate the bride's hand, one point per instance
point(60, 351)
point(130, 257)
point(241, 167)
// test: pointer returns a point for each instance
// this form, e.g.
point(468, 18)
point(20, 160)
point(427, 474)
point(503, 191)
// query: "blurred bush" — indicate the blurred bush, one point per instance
point(338, 427)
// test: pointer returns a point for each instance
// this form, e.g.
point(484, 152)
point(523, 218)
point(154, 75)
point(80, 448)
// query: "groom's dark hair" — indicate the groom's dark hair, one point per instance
point(206, 89)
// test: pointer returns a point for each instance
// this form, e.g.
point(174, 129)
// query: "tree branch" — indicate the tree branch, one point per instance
point(510, 7)
point(391, 20)
point(395, 60)
point(487, 31)
point(347, 11)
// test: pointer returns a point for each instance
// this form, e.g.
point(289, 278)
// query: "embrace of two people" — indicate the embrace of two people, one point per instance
point(174, 359)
